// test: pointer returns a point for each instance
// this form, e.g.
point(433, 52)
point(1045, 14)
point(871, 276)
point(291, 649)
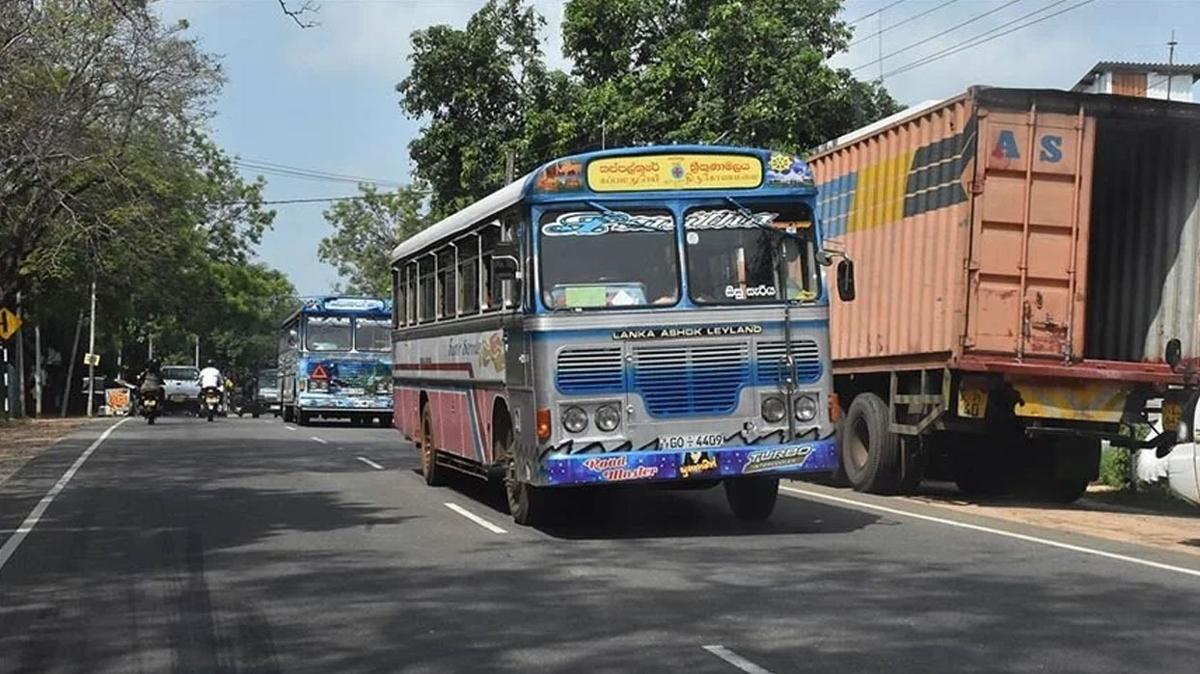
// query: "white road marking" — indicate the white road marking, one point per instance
point(290, 428)
point(735, 659)
point(369, 462)
point(476, 518)
point(996, 532)
point(14, 541)
point(316, 439)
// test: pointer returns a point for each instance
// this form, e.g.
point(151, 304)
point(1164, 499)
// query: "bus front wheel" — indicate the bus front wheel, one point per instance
point(752, 499)
point(526, 502)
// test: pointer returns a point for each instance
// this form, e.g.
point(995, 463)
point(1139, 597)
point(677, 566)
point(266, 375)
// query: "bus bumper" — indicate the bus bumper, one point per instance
point(798, 458)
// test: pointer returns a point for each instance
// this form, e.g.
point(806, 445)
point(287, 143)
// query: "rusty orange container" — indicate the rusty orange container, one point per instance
point(974, 228)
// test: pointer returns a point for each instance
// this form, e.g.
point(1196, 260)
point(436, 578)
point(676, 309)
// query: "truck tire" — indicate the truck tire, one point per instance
point(870, 452)
point(752, 499)
point(1063, 468)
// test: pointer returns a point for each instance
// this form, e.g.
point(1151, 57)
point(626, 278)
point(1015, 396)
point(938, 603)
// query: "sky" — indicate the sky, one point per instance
point(324, 98)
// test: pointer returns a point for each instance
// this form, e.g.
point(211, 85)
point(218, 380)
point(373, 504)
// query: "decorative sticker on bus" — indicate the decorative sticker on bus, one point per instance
point(774, 459)
point(593, 223)
point(786, 170)
point(687, 332)
point(675, 172)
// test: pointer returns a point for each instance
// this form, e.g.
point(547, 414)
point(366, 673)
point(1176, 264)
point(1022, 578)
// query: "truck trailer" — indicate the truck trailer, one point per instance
point(1025, 260)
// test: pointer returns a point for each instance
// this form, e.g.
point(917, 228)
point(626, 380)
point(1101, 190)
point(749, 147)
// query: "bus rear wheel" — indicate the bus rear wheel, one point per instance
point(752, 499)
point(434, 474)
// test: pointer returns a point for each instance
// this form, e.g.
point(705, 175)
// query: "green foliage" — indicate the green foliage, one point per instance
point(107, 175)
point(1115, 465)
point(365, 232)
point(739, 72)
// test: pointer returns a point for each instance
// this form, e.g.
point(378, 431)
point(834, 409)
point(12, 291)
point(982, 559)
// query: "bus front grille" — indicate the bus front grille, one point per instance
point(769, 361)
point(691, 381)
point(590, 371)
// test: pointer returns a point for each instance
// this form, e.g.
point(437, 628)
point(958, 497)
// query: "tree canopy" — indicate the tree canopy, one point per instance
point(365, 232)
point(739, 72)
point(107, 174)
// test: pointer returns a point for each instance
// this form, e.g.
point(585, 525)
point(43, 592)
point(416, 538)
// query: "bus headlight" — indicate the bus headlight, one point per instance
point(608, 417)
point(773, 409)
point(574, 419)
point(806, 408)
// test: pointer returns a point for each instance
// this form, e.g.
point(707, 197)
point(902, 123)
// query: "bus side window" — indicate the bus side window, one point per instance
point(397, 297)
point(489, 236)
point(425, 289)
point(446, 271)
point(468, 275)
point(410, 280)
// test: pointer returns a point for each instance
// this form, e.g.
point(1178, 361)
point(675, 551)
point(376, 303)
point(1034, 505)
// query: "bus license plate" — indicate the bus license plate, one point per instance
point(178, 397)
point(972, 403)
point(1171, 412)
point(690, 441)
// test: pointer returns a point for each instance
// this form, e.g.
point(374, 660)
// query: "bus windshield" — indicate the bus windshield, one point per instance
point(327, 333)
point(605, 259)
point(732, 259)
point(372, 334)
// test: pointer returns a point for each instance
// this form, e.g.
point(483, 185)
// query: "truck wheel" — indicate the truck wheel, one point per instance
point(288, 414)
point(870, 452)
point(1063, 468)
point(752, 499)
point(303, 418)
point(434, 474)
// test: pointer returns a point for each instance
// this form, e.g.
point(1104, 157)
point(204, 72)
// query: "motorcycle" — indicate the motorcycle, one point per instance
point(210, 401)
point(150, 405)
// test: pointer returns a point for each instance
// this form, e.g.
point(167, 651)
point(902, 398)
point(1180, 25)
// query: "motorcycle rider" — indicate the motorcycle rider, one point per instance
point(210, 377)
point(150, 381)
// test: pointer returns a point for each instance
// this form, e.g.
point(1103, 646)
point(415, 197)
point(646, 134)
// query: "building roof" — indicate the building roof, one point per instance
point(1192, 69)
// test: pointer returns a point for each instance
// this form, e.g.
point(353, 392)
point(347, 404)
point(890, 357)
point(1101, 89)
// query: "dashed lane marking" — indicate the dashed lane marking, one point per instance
point(476, 518)
point(735, 659)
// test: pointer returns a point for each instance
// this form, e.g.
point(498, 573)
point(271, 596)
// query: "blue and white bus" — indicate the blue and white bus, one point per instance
point(334, 360)
point(654, 314)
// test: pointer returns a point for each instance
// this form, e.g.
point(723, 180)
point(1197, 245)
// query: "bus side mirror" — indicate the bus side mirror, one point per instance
point(845, 280)
point(1174, 354)
point(293, 337)
point(506, 262)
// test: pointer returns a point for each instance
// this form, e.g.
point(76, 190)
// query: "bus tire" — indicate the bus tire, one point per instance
point(870, 451)
point(435, 475)
point(752, 499)
point(526, 503)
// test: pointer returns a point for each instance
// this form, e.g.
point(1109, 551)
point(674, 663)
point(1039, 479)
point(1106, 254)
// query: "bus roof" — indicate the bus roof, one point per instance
point(565, 177)
point(342, 305)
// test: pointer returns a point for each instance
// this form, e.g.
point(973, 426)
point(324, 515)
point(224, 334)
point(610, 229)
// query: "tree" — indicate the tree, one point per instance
point(85, 86)
point(481, 90)
point(366, 231)
point(742, 72)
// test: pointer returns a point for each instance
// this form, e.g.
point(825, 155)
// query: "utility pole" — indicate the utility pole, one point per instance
point(1170, 62)
point(197, 351)
point(37, 370)
point(150, 347)
point(604, 134)
point(91, 350)
point(66, 400)
point(19, 358)
point(509, 167)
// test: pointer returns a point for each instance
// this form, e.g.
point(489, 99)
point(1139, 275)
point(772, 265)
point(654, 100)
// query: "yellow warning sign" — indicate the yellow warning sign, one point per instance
point(9, 323)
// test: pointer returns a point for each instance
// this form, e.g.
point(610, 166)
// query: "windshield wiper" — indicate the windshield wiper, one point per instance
point(623, 218)
point(757, 221)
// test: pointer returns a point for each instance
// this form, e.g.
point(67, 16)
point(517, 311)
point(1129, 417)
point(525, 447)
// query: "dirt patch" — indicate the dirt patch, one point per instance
point(1144, 518)
point(20, 441)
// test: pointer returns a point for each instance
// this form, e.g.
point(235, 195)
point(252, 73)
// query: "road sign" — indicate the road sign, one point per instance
point(9, 323)
point(91, 359)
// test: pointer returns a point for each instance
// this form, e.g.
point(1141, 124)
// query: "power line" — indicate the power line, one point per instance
point(935, 36)
point(871, 14)
point(910, 19)
point(285, 170)
point(981, 39)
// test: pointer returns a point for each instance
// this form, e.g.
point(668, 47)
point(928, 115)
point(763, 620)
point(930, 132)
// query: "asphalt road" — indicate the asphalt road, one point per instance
point(250, 545)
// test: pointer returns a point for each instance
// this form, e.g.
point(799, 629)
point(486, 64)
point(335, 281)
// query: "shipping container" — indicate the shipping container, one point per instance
point(1023, 260)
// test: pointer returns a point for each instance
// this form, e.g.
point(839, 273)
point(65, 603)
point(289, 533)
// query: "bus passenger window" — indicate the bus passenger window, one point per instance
point(447, 270)
point(410, 284)
point(468, 276)
point(425, 292)
point(490, 236)
point(397, 297)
